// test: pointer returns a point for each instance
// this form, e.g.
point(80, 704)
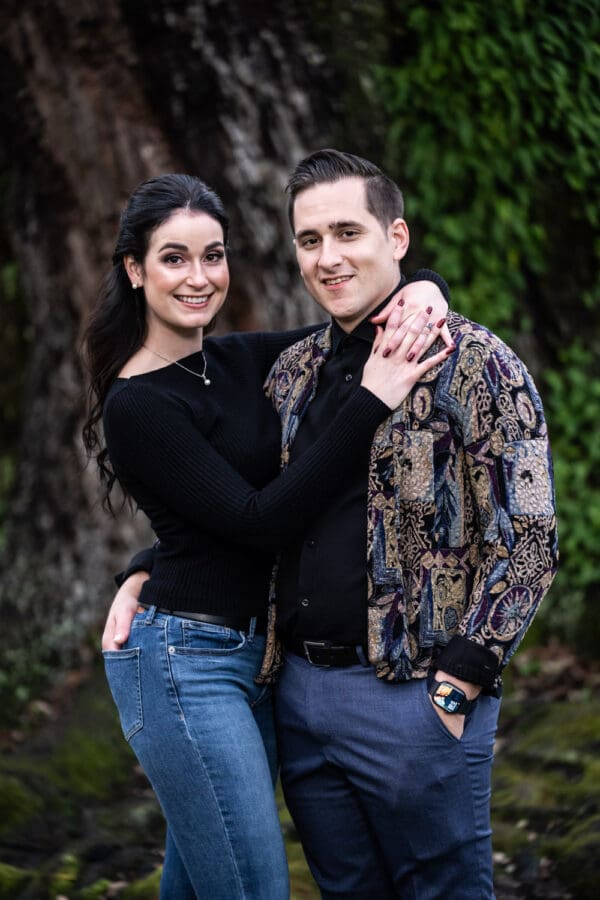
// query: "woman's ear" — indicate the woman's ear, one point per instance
point(134, 271)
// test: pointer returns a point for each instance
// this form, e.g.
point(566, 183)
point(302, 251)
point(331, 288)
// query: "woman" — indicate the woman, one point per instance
point(192, 440)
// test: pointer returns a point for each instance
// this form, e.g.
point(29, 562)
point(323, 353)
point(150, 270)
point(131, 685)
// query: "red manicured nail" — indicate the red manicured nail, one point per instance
point(400, 302)
point(450, 350)
point(386, 352)
point(441, 323)
point(429, 310)
point(410, 357)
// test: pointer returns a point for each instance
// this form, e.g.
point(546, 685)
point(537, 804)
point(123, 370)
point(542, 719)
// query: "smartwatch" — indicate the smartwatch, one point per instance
point(449, 697)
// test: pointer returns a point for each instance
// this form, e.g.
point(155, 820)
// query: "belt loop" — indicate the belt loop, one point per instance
point(252, 628)
point(150, 616)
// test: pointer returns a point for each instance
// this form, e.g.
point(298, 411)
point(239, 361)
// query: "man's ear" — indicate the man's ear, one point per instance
point(401, 238)
point(134, 270)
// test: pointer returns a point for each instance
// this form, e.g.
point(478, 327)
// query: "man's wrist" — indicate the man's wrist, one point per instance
point(471, 691)
point(450, 698)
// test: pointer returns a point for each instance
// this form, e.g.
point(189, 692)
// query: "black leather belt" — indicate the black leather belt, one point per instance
point(326, 653)
point(239, 623)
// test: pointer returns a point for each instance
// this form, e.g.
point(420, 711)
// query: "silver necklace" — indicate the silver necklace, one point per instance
point(174, 362)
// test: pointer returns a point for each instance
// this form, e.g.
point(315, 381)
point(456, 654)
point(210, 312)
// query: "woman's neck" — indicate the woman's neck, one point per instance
point(161, 348)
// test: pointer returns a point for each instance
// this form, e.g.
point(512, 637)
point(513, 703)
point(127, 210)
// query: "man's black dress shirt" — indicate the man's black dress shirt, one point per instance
point(322, 580)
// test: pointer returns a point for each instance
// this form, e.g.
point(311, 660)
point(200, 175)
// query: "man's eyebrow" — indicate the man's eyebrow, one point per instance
point(333, 226)
point(344, 224)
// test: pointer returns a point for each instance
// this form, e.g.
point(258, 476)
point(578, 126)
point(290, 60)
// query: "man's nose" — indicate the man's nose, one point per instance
point(330, 255)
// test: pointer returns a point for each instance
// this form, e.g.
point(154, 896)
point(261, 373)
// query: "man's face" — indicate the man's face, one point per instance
point(348, 261)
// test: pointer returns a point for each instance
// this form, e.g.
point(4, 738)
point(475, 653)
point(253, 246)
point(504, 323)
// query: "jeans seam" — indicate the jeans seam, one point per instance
point(199, 756)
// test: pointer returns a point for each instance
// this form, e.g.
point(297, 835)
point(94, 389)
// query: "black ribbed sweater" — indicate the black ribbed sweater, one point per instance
point(202, 463)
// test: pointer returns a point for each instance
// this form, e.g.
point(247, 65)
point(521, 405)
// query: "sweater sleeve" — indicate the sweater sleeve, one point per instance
point(155, 447)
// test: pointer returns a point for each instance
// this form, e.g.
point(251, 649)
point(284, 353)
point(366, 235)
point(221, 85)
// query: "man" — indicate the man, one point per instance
point(389, 788)
point(398, 610)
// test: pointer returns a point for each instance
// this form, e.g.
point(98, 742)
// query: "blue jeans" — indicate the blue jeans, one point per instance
point(387, 802)
point(203, 733)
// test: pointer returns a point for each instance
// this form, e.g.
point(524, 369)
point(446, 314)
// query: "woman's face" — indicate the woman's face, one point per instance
point(185, 275)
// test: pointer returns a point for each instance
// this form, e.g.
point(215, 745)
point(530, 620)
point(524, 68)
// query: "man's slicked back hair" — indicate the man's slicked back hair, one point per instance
point(383, 196)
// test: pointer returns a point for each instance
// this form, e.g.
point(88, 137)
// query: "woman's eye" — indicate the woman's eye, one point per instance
point(172, 258)
point(215, 257)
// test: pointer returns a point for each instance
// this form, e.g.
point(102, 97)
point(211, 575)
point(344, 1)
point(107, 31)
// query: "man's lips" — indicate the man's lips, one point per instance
point(336, 281)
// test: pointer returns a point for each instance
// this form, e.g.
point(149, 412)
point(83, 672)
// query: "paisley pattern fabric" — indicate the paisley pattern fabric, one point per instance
point(461, 516)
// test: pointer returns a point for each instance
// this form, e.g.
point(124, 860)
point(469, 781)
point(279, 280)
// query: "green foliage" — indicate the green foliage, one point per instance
point(145, 889)
point(96, 891)
point(573, 410)
point(13, 881)
point(546, 788)
point(493, 105)
point(494, 119)
point(63, 879)
point(18, 803)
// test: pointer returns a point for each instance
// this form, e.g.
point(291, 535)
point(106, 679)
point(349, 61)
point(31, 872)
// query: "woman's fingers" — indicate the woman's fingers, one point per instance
point(406, 333)
point(420, 333)
point(445, 334)
point(424, 365)
point(393, 306)
point(413, 339)
point(378, 338)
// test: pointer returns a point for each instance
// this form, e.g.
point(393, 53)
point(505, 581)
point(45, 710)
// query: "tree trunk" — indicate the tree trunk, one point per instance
point(94, 99)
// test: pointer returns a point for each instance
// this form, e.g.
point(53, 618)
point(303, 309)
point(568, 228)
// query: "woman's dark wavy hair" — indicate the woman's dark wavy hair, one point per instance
point(117, 325)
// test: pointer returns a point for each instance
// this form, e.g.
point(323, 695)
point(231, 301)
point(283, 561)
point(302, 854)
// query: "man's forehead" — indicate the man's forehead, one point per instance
point(332, 205)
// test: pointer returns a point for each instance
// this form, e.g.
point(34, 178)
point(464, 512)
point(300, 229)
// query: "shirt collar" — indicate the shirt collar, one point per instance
point(365, 330)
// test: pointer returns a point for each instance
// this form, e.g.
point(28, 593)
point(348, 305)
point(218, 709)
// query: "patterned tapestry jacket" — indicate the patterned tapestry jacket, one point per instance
point(461, 518)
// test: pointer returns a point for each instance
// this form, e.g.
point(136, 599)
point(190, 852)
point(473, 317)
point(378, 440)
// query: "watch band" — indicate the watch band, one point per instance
point(449, 697)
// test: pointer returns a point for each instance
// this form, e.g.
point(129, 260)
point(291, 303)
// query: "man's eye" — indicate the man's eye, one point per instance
point(308, 242)
point(349, 233)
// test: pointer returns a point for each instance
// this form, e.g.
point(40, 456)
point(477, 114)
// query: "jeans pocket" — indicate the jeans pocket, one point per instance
point(123, 674)
point(209, 639)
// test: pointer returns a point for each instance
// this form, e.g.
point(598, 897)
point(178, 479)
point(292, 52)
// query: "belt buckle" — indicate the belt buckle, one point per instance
point(316, 645)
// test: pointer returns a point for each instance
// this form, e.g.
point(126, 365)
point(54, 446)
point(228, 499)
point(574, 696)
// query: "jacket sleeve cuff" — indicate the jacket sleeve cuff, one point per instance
point(141, 562)
point(469, 661)
point(430, 275)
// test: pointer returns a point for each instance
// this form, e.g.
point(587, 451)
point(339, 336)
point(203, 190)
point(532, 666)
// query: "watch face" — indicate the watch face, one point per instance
point(448, 697)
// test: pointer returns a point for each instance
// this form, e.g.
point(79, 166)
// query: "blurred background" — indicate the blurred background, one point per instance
point(488, 116)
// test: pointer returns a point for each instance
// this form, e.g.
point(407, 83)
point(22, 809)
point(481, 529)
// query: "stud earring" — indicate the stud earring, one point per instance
point(134, 285)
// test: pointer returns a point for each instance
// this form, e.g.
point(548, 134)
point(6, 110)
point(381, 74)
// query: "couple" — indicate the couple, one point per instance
point(415, 527)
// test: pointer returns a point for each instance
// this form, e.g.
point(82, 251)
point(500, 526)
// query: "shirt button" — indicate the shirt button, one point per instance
point(348, 377)
point(305, 601)
point(311, 543)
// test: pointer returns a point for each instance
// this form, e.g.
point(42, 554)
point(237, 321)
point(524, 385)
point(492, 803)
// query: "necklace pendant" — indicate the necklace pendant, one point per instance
point(175, 362)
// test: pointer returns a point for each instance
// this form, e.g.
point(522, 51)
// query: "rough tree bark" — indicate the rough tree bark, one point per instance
point(94, 98)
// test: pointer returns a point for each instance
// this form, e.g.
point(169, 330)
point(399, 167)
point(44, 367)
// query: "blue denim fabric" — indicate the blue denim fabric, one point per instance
point(203, 732)
point(387, 802)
